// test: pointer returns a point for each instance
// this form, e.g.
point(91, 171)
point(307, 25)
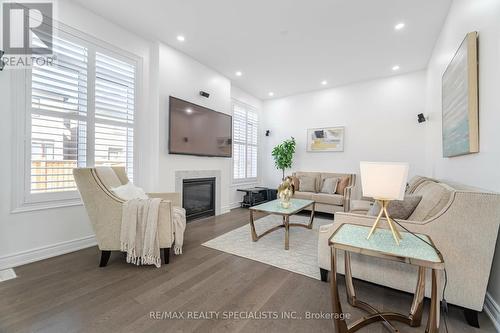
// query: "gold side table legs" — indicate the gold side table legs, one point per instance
point(433, 321)
point(286, 225)
point(414, 319)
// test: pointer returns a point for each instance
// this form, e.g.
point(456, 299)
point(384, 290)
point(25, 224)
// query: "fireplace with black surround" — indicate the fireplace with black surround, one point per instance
point(198, 197)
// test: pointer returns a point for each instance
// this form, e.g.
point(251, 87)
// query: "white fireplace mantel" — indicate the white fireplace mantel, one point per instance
point(180, 175)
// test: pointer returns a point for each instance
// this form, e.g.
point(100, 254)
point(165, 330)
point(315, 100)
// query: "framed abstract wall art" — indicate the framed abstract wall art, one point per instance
point(325, 139)
point(460, 101)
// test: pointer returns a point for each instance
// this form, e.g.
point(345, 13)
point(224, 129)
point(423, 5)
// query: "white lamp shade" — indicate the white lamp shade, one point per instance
point(384, 180)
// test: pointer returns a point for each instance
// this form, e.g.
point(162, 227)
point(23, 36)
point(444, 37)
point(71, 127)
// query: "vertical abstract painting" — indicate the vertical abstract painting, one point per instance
point(325, 139)
point(460, 101)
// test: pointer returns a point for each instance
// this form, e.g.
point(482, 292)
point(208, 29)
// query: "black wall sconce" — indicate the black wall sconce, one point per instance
point(268, 132)
point(2, 64)
point(421, 118)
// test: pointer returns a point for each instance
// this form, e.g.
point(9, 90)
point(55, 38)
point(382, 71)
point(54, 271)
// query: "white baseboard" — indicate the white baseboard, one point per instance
point(26, 257)
point(492, 309)
point(234, 205)
point(7, 274)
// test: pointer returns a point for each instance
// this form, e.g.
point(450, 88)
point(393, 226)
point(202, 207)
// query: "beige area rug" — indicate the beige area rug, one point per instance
point(301, 258)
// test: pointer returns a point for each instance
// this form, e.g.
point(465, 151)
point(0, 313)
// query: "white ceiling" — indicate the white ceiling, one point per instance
point(288, 46)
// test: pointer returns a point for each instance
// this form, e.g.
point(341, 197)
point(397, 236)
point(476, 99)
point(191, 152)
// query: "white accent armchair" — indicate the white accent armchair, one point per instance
point(104, 208)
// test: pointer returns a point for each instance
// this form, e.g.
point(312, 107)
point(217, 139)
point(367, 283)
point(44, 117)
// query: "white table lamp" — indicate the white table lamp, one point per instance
point(384, 181)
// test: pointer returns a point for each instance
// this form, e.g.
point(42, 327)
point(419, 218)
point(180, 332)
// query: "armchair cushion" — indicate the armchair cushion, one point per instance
point(398, 209)
point(129, 191)
point(435, 197)
point(108, 177)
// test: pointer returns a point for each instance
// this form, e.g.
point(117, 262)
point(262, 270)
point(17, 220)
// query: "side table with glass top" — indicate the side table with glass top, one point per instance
point(352, 238)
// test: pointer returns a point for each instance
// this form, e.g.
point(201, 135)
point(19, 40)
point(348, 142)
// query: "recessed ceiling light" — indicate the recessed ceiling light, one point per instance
point(181, 38)
point(395, 68)
point(399, 26)
point(238, 73)
point(271, 94)
point(324, 82)
point(189, 111)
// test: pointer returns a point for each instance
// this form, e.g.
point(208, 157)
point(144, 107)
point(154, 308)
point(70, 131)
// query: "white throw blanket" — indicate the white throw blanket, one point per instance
point(139, 232)
point(179, 216)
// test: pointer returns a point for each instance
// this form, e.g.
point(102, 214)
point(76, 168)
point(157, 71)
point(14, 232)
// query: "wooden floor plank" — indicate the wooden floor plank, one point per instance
point(70, 293)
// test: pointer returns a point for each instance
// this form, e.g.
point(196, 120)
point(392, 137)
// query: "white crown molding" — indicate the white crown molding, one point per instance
point(492, 309)
point(49, 251)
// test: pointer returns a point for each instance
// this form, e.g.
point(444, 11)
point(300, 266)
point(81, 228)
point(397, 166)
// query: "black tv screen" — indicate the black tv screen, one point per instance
point(196, 130)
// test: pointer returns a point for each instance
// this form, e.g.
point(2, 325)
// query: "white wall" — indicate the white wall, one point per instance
point(236, 197)
point(34, 235)
point(183, 77)
point(380, 119)
point(39, 234)
point(482, 169)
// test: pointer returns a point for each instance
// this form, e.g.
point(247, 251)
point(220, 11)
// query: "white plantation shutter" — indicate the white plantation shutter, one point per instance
point(245, 142)
point(114, 112)
point(58, 119)
point(71, 127)
point(252, 134)
point(239, 142)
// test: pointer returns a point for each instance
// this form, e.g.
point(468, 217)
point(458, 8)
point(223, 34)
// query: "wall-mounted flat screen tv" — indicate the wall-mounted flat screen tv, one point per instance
point(196, 130)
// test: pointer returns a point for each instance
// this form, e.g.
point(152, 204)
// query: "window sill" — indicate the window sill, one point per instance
point(245, 183)
point(32, 207)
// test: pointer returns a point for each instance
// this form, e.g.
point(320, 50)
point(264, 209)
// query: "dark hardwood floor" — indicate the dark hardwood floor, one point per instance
point(70, 293)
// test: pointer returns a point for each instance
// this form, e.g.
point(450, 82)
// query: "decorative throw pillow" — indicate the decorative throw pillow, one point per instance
point(398, 209)
point(329, 185)
point(307, 184)
point(129, 191)
point(296, 183)
point(343, 183)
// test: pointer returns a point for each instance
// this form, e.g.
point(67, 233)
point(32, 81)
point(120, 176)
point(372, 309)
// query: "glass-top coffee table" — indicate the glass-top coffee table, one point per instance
point(274, 207)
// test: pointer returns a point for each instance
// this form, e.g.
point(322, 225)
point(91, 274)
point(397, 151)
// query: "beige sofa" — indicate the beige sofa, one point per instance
point(327, 203)
point(463, 223)
point(104, 208)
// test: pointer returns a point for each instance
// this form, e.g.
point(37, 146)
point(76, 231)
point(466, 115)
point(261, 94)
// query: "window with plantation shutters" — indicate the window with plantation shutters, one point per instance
point(59, 119)
point(114, 112)
point(81, 114)
point(245, 142)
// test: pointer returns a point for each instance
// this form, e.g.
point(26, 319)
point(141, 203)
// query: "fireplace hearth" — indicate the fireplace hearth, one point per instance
point(198, 197)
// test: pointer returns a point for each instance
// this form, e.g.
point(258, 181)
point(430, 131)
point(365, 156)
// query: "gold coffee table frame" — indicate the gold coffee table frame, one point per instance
point(285, 213)
point(413, 319)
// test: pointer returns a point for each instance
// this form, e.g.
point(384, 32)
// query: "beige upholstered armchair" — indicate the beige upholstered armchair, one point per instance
point(104, 208)
point(463, 222)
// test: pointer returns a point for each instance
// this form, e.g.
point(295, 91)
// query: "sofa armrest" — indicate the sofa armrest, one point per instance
point(165, 227)
point(325, 231)
point(173, 196)
point(347, 198)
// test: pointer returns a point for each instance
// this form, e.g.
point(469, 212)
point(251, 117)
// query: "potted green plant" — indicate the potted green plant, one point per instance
point(283, 155)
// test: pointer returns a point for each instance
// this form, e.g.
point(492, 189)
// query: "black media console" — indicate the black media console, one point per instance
point(257, 195)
